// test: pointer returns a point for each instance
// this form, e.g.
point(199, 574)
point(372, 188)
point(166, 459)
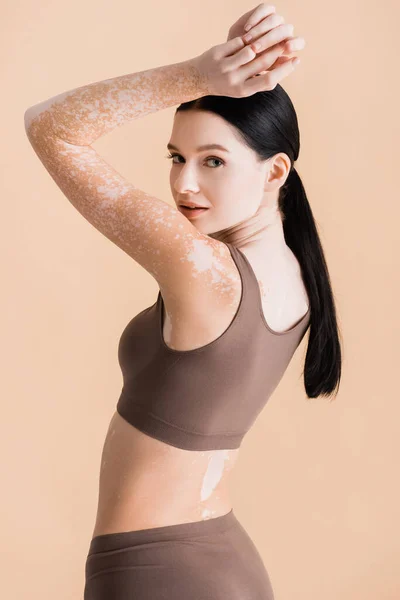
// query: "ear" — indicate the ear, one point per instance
point(277, 172)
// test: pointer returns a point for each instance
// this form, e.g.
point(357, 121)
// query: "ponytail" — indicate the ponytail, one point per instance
point(322, 369)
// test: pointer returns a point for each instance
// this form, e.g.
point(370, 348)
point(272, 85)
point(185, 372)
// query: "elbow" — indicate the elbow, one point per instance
point(26, 119)
point(34, 111)
point(29, 115)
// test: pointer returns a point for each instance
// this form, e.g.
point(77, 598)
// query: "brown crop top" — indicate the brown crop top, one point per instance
point(209, 397)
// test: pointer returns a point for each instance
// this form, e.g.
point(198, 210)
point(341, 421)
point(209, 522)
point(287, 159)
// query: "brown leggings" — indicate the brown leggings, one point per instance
point(214, 559)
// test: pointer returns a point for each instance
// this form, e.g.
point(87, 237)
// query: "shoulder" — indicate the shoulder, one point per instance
point(213, 289)
point(203, 313)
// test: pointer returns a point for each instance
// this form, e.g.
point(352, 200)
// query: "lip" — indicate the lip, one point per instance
point(190, 213)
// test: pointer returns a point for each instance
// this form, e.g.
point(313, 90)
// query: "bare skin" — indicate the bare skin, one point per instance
point(144, 482)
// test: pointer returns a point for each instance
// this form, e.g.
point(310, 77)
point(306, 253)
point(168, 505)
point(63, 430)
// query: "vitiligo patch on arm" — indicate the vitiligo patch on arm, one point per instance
point(154, 233)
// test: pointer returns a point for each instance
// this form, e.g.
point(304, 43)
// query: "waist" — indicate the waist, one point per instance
point(146, 483)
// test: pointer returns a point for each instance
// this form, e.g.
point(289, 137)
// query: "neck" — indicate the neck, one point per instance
point(263, 232)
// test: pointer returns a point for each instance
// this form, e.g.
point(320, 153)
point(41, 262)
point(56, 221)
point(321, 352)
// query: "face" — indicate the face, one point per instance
point(230, 182)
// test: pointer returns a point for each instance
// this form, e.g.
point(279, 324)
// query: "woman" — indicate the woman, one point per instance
point(241, 278)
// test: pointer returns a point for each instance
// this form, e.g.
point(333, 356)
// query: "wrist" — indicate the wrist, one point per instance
point(198, 75)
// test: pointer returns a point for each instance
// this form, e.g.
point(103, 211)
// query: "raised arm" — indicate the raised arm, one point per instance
point(151, 231)
point(61, 130)
point(82, 115)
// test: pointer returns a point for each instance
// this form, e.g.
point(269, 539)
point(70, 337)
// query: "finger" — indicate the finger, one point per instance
point(294, 44)
point(279, 48)
point(229, 48)
point(241, 21)
point(237, 61)
point(288, 48)
point(279, 61)
point(274, 36)
point(264, 26)
point(261, 11)
point(268, 81)
point(259, 63)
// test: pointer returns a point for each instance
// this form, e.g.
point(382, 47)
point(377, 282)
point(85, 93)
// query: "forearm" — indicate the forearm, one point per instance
point(82, 115)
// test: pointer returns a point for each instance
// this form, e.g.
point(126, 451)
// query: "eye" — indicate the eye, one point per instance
point(172, 156)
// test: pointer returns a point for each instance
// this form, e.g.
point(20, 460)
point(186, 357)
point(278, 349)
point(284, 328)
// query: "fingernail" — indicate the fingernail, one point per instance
point(296, 62)
point(247, 27)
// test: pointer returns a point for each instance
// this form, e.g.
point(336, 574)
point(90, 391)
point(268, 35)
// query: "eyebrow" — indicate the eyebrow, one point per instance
point(201, 148)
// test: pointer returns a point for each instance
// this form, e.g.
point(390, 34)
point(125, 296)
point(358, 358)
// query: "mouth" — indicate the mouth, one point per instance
point(191, 212)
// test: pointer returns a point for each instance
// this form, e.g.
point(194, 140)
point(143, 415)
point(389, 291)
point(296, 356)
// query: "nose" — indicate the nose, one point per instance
point(186, 181)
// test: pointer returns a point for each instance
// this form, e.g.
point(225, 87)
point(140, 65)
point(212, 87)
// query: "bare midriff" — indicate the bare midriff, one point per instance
point(146, 483)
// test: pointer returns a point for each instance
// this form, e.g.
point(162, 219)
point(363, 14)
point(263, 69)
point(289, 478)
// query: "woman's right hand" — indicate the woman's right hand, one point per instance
point(237, 69)
point(261, 19)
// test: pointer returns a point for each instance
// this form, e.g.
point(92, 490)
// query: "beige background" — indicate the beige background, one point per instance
point(317, 483)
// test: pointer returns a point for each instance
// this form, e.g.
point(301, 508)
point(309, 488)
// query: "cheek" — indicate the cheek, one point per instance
point(250, 190)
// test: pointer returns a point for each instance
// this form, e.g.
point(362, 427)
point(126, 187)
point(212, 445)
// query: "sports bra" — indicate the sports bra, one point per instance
point(209, 397)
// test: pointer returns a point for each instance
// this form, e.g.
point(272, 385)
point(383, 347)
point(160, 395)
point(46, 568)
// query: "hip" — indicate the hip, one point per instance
point(214, 558)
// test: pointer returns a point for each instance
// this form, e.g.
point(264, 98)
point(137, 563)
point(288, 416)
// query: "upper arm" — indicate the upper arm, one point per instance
point(186, 263)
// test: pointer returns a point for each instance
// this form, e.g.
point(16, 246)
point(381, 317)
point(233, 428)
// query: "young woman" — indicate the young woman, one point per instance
point(242, 276)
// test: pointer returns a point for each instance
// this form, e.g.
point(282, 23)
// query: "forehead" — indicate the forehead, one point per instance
point(196, 131)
